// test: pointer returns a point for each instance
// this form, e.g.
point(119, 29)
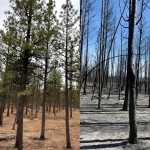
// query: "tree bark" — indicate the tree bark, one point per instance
point(133, 139)
point(44, 97)
point(19, 137)
point(126, 100)
point(8, 108)
point(12, 107)
point(1, 113)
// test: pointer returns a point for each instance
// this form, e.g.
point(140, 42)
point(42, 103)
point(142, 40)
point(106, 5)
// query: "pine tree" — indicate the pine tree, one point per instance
point(23, 22)
point(49, 20)
point(69, 34)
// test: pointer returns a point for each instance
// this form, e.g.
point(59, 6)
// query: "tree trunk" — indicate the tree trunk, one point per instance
point(44, 97)
point(67, 112)
point(126, 99)
point(120, 69)
point(86, 63)
point(12, 107)
point(15, 119)
point(3, 107)
point(133, 139)
point(37, 95)
point(66, 86)
point(149, 77)
point(100, 58)
point(49, 107)
point(26, 108)
point(71, 102)
point(1, 113)
point(8, 108)
point(54, 102)
point(14, 122)
point(19, 137)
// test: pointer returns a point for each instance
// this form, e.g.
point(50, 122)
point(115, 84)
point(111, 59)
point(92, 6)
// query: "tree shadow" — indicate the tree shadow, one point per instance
point(87, 112)
point(7, 138)
point(145, 138)
point(99, 111)
point(122, 142)
point(87, 124)
point(106, 140)
point(103, 145)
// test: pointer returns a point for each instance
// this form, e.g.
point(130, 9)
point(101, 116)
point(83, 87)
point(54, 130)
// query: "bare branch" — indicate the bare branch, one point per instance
point(141, 13)
point(126, 4)
point(146, 5)
point(122, 13)
point(123, 26)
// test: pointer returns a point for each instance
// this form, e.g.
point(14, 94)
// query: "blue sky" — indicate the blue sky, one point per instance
point(117, 11)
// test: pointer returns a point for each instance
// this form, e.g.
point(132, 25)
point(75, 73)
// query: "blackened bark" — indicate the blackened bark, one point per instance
point(149, 77)
point(126, 100)
point(138, 65)
point(133, 139)
point(100, 58)
point(86, 63)
point(120, 69)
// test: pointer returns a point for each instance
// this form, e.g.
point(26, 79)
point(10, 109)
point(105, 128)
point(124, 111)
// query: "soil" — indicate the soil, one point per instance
point(108, 128)
point(55, 131)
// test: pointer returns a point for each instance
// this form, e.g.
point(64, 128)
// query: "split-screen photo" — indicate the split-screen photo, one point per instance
point(74, 74)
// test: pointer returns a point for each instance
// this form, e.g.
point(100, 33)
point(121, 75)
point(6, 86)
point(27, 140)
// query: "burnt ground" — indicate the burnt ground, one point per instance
point(55, 133)
point(108, 128)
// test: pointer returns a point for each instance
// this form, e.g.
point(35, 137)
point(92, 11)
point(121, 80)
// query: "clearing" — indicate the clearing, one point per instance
point(108, 128)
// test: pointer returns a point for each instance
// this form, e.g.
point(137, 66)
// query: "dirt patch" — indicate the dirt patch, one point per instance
point(55, 133)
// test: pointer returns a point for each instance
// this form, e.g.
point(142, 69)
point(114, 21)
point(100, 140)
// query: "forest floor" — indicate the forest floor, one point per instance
point(108, 128)
point(55, 131)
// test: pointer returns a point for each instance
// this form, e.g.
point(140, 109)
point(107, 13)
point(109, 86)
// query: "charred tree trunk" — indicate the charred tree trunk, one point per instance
point(133, 139)
point(126, 100)
point(86, 63)
point(100, 58)
point(149, 74)
point(145, 68)
point(120, 68)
